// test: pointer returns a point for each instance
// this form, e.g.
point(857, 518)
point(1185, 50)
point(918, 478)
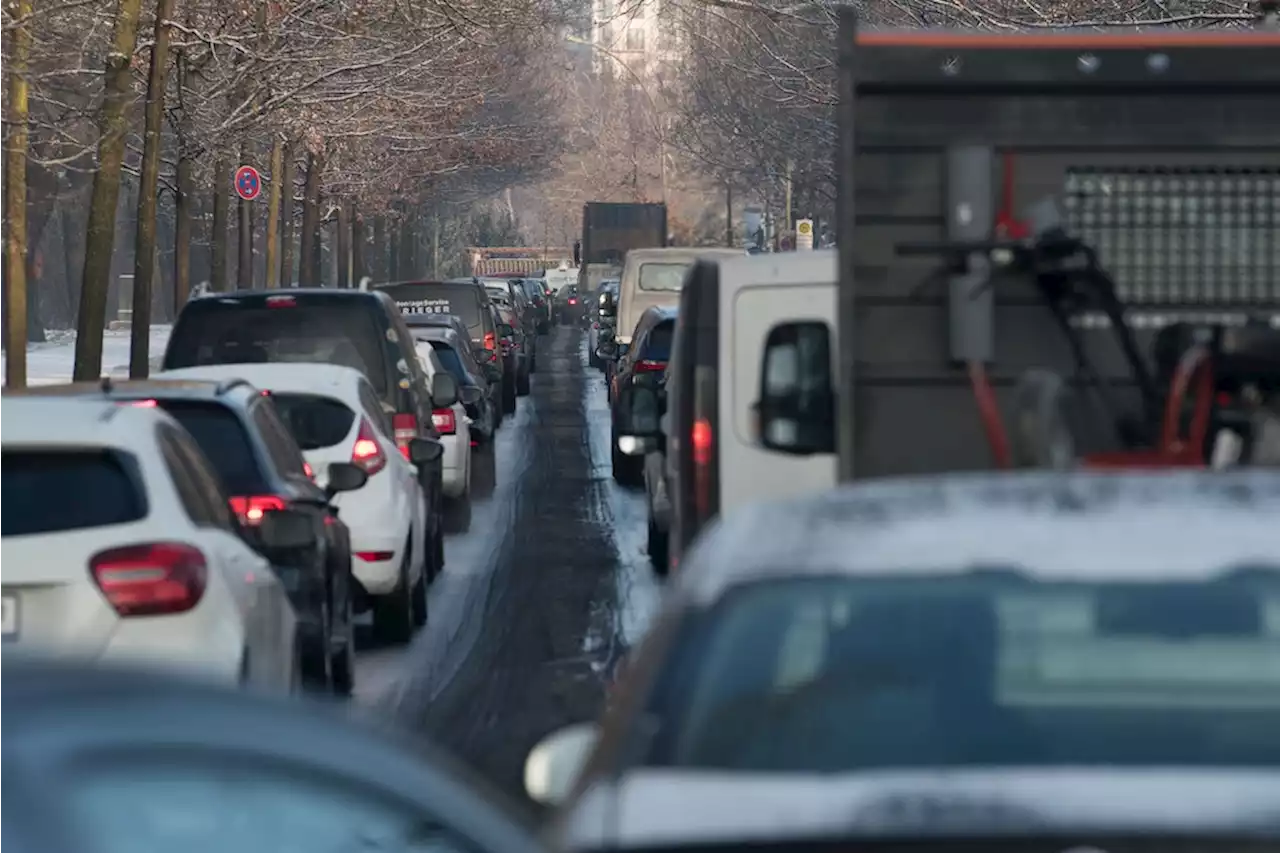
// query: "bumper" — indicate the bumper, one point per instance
point(453, 476)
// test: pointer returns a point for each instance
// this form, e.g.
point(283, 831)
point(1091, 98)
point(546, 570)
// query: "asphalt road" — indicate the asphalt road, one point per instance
point(540, 599)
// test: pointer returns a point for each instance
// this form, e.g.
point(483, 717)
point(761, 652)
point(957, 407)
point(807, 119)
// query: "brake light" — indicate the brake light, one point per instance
point(251, 509)
point(308, 470)
point(281, 301)
point(144, 404)
point(367, 452)
point(375, 556)
point(701, 441)
point(648, 366)
point(445, 422)
point(490, 341)
point(572, 301)
point(405, 427)
point(151, 579)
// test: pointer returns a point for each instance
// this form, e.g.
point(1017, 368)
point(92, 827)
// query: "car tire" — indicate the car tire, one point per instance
point(498, 414)
point(457, 511)
point(659, 550)
point(343, 665)
point(522, 384)
point(418, 599)
point(317, 662)
point(509, 396)
point(626, 469)
point(484, 473)
point(593, 360)
point(393, 614)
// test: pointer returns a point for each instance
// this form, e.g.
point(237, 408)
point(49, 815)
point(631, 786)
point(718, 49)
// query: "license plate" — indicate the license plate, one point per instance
point(10, 617)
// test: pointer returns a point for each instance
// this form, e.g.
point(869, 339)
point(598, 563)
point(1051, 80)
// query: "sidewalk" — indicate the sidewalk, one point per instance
point(52, 362)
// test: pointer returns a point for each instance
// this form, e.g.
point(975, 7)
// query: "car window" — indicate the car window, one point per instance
point(196, 503)
point(374, 411)
point(207, 485)
point(223, 439)
point(56, 491)
point(461, 300)
point(663, 276)
point(657, 346)
point(982, 669)
point(451, 362)
point(796, 374)
point(289, 329)
point(314, 421)
point(147, 804)
point(281, 446)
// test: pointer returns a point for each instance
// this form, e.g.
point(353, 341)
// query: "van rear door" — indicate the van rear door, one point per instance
point(760, 315)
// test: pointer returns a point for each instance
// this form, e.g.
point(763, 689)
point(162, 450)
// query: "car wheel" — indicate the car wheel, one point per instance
point(659, 551)
point(498, 415)
point(317, 661)
point(626, 469)
point(393, 613)
point(457, 511)
point(509, 396)
point(522, 384)
point(419, 601)
point(484, 473)
point(343, 663)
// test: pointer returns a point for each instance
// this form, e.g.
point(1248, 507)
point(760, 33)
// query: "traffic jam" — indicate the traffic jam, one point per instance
point(953, 536)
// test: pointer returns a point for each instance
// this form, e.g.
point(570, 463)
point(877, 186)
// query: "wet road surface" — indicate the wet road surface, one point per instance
point(540, 599)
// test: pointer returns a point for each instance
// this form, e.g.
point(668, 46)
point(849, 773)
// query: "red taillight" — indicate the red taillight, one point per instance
point(573, 301)
point(367, 452)
point(445, 422)
point(144, 404)
point(701, 441)
point(648, 366)
point(490, 341)
point(405, 427)
point(375, 556)
point(281, 301)
point(251, 509)
point(151, 579)
point(308, 470)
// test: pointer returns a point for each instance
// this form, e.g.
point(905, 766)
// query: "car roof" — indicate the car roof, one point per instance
point(1076, 526)
point(76, 422)
point(666, 312)
point(448, 334)
point(677, 254)
point(226, 389)
point(280, 376)
point(264, 294)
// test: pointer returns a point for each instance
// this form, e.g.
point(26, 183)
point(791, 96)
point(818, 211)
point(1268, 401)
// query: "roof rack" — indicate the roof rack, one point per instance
point(230, 385)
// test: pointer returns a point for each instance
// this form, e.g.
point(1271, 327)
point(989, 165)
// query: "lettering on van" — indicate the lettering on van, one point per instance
point(424, 306)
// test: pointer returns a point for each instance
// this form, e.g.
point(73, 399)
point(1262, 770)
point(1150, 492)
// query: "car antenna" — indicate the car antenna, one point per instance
point(365, 281)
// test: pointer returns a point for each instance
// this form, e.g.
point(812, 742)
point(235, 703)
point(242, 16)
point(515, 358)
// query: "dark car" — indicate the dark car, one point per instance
point(644, 361)
point(108, 760)
point(537, 294)
point(519, 344)
point(262, 470)
point(569, 307)
point(355, 328)
point(468, 300)
point(487, 378)
point(527, 313)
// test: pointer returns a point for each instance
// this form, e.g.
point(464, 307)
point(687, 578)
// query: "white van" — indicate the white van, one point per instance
point(748, 408)
point(653, 277)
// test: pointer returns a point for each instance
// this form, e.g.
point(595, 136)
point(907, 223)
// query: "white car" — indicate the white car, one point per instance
point(119, 546)
point(455, 434)
point(335, 416)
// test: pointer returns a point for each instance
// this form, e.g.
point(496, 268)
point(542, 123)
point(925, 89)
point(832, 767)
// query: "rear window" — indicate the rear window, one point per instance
point(248, 332)
point(658, 346)
point(223, 438)
point(315, 422)
point(53, 491)
point(669, 277)
point(449, 359)
point(461, 300)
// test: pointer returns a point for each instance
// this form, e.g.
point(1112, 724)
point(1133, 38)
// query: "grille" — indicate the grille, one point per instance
point(1182, 237)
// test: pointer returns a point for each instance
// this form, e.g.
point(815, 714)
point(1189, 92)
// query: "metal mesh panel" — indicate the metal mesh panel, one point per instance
point(1174, 236)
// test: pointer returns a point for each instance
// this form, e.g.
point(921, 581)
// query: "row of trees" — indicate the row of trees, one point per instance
point(377, 128)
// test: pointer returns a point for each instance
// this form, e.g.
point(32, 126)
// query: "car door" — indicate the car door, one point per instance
point(242, 571)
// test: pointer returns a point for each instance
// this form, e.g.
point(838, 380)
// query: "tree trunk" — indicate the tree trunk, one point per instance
point(407, 237)
point(393, 249)
point(244, 218)
point(273, 214)
point(35, 266)
point(144, 256)
point(378, 251)
point(288, 173)
point(309, 248)
point(101, 232)
point(15, 249)
point(358, 271)
point(218, 235)
point(342, 245)
point(182, 232)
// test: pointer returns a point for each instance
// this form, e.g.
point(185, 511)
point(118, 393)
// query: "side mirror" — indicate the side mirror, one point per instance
point(285, 530)
point(608, 305)
point(424, 451)
point(345, 477)
point(553, 765)
point(606, 350)
point(470, 395)
point(444, 390)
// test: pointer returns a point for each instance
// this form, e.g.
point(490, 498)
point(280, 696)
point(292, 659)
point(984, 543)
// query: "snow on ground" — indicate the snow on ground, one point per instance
point(51, 362)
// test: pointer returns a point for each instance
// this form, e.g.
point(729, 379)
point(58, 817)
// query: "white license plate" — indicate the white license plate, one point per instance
point(10, 617)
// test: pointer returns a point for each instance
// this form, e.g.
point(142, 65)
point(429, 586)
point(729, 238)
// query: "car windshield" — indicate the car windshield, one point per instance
point(658, 345)
point(315, 422)
point(664, 276)
point(68, 490)
point(987, 669)
point(223, 438)
point(449, 358)
point(237, 331)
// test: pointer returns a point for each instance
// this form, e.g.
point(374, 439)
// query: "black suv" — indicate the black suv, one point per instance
point(526, 312)
point(353, 328)
point(262, 470)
